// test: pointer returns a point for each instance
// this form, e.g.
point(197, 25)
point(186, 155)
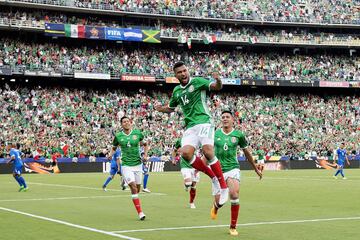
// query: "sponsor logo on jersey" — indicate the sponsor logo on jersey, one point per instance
point(233, 139)
point(135, 137)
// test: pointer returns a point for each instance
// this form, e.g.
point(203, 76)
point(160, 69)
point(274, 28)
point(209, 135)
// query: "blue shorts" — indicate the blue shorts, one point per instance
point(145, 168)
point(17, 170)
point(113, 170)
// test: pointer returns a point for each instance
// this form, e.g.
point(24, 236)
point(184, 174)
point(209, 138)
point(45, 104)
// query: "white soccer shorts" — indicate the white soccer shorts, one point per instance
point(190, 173)
point(201, 134)
point(132, 174)
point(261, 161)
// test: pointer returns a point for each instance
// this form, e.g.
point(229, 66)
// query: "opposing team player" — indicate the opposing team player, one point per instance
point(191, 176)
point(114, 168)
point(130, 140)
point(15, 156)
point(341, 156)
point(191, 96)
point(227, 140)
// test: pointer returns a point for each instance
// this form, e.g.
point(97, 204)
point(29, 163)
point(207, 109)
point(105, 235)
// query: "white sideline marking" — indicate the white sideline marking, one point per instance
point(325, 179)
point(90, 188)
point(241, 224)
point(69, 224)
point(71, 198)
point(73, 186)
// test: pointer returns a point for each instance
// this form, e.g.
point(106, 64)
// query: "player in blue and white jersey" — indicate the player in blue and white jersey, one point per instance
point(341, 157)
point(114, 167)
point(15, 157)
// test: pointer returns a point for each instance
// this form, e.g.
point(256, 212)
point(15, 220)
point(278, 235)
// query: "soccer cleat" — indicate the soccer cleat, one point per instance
point(146, 190)
point(104, 188)
point(233, 232)
point(123, 187)
point(224, 196)
point(25, 189)
point(335, 177)
point(344, 178)
point(21, 188)
point(142, 216)
point(213, 213)
point(192, 205)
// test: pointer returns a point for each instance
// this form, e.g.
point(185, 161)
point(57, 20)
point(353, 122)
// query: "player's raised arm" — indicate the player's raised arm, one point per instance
point(217, 85)
point(250, 159)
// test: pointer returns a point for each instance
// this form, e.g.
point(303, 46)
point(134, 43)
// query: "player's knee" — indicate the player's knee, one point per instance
point(233, 193)
point(208, 151)
point(187, 156)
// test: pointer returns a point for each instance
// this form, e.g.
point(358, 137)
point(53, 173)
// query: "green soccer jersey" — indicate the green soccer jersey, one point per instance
point(226, 148)
point(192, 99)
point(130, 147)
point(261, 154)
point(183, 162)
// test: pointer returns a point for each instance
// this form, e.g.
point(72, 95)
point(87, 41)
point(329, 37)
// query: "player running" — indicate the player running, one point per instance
point(191, 176)
point(227, 139)
point(191, 96)
point(15, 156)
point(114, 168)
point(130, 140)
point(261, 159)
point(341, 156)
point(145, 170)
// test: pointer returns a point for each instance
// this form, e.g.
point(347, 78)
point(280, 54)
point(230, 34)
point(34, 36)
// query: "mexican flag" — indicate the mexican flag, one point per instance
point(209, 39)
point(253, 40)
point(182, 39)
point(189, 43)
point(74, 31)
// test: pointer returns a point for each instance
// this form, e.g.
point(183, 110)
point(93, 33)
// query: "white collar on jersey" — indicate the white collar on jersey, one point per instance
point(129, 133)
point(227, 133)
point(186, 84)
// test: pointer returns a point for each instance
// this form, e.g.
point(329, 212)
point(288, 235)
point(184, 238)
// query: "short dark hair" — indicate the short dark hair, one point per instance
point(18, 145)
point(178, 64)
point(227, 111)
point(124, 117)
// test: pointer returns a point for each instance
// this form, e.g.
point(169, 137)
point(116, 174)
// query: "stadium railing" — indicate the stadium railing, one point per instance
point(317, 40)
point(194, 14)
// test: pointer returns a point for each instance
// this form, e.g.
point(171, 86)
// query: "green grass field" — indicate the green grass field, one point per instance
point(296, 204)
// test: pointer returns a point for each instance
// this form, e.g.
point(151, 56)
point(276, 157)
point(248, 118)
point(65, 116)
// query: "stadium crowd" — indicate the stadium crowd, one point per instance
point(308, 11)
point(222, 32)
point(81, 122)
point(158, 61)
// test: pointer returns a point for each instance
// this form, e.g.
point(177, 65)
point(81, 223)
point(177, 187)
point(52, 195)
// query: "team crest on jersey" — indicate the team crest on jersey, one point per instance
point(134, 137)
point(219, 139)
point(191, 88)
point(233, 139)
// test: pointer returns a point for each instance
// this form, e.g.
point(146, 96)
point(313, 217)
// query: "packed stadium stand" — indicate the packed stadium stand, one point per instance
point(71, 69)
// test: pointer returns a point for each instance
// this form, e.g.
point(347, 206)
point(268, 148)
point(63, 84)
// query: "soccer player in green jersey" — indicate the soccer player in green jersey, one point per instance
point(227, 139)
point(191, 176)
point(130, 140)
point(191, 96)
point(261, 159)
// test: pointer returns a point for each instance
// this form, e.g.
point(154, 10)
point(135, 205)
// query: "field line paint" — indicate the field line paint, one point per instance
point(82, 187)
point(240, 224)
point(69, 224)
point(71, 198)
